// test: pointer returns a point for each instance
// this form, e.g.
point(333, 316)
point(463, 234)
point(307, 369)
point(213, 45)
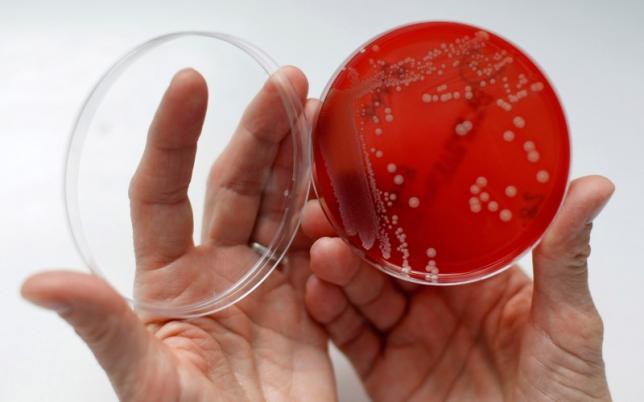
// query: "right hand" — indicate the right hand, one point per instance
point(503, 339)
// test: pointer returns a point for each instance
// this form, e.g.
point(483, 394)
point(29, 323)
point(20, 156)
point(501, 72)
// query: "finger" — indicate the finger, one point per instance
point(315, 224)
point(347, 328)
point(314, 221)
point(407, 287)
point(161, 212)
point(561, 259)
point(277, 193)
point(239, 175)
point(120, 342)
point(369, 290)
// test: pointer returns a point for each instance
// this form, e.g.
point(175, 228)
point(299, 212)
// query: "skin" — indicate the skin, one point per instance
point(265, 348)
point(505, 338)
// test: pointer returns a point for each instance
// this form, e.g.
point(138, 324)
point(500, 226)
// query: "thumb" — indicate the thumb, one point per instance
point(560, 260)
point(116, 336)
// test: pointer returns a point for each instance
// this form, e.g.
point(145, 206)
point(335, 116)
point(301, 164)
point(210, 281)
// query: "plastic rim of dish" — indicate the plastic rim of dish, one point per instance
point(447, 279)
point(284, 235)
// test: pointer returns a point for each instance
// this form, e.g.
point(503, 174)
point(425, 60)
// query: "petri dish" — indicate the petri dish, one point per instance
point(250, 219)
point(441, 152)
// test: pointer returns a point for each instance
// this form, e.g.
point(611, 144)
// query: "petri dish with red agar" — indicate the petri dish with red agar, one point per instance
point(441, 152)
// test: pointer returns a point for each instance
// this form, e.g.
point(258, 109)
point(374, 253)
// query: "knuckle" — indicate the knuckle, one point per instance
point(581, 336)
point(133, 187)
point(578, 258)
point(591, 327)
point(586, 324)
point(160, 191)
point(572, 256)
point(574, 250)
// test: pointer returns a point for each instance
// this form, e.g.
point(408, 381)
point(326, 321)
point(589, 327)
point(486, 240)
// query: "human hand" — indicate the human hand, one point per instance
point(263, 348)
point(503, 339)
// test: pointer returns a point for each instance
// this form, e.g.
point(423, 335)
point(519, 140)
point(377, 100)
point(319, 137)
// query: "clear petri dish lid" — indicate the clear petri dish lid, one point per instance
point(129, 174)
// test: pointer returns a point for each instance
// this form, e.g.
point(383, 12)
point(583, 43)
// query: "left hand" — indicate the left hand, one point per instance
point(264, 348)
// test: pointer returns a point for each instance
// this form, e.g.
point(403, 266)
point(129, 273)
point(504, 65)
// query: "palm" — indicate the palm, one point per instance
point(264, 348)
point(477, 343)
point(468, 337)
point(505, 338)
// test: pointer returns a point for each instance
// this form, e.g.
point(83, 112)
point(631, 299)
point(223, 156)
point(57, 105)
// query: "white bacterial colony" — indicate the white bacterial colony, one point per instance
point(543, 176)
point(510, 191)
point(531, 151)
point(463, 128)
point(431, 268)
point(480, 199)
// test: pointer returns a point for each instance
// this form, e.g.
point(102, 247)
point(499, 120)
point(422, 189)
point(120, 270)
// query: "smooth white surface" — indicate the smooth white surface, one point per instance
point(52, 52)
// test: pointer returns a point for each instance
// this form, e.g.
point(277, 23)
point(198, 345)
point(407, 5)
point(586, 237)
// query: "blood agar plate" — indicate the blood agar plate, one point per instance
point(441, 153)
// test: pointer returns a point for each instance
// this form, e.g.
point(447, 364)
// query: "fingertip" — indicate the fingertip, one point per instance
point(323, 300)
point(595, 180)
point(297, 78)
point(333, 261)
point(188, 76)
point(60, 290)
point(593, 187)
point(314, 222)
point(45, 285)
point(595, 191)
point(35, 290)
point(604, 182)
point(189, 86)
point(311, 110)
point(313, 103)
point(180, 115)
point(266, 117)
point(586, 198)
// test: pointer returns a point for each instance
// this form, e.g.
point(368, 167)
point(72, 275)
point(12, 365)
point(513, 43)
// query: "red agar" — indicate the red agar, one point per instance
point(441, 152)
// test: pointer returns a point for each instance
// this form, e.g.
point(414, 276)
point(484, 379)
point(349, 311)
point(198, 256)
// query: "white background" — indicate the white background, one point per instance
point(52, 52)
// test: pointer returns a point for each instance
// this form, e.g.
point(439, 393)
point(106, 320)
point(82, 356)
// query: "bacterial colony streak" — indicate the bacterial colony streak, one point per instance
point(440, 150)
